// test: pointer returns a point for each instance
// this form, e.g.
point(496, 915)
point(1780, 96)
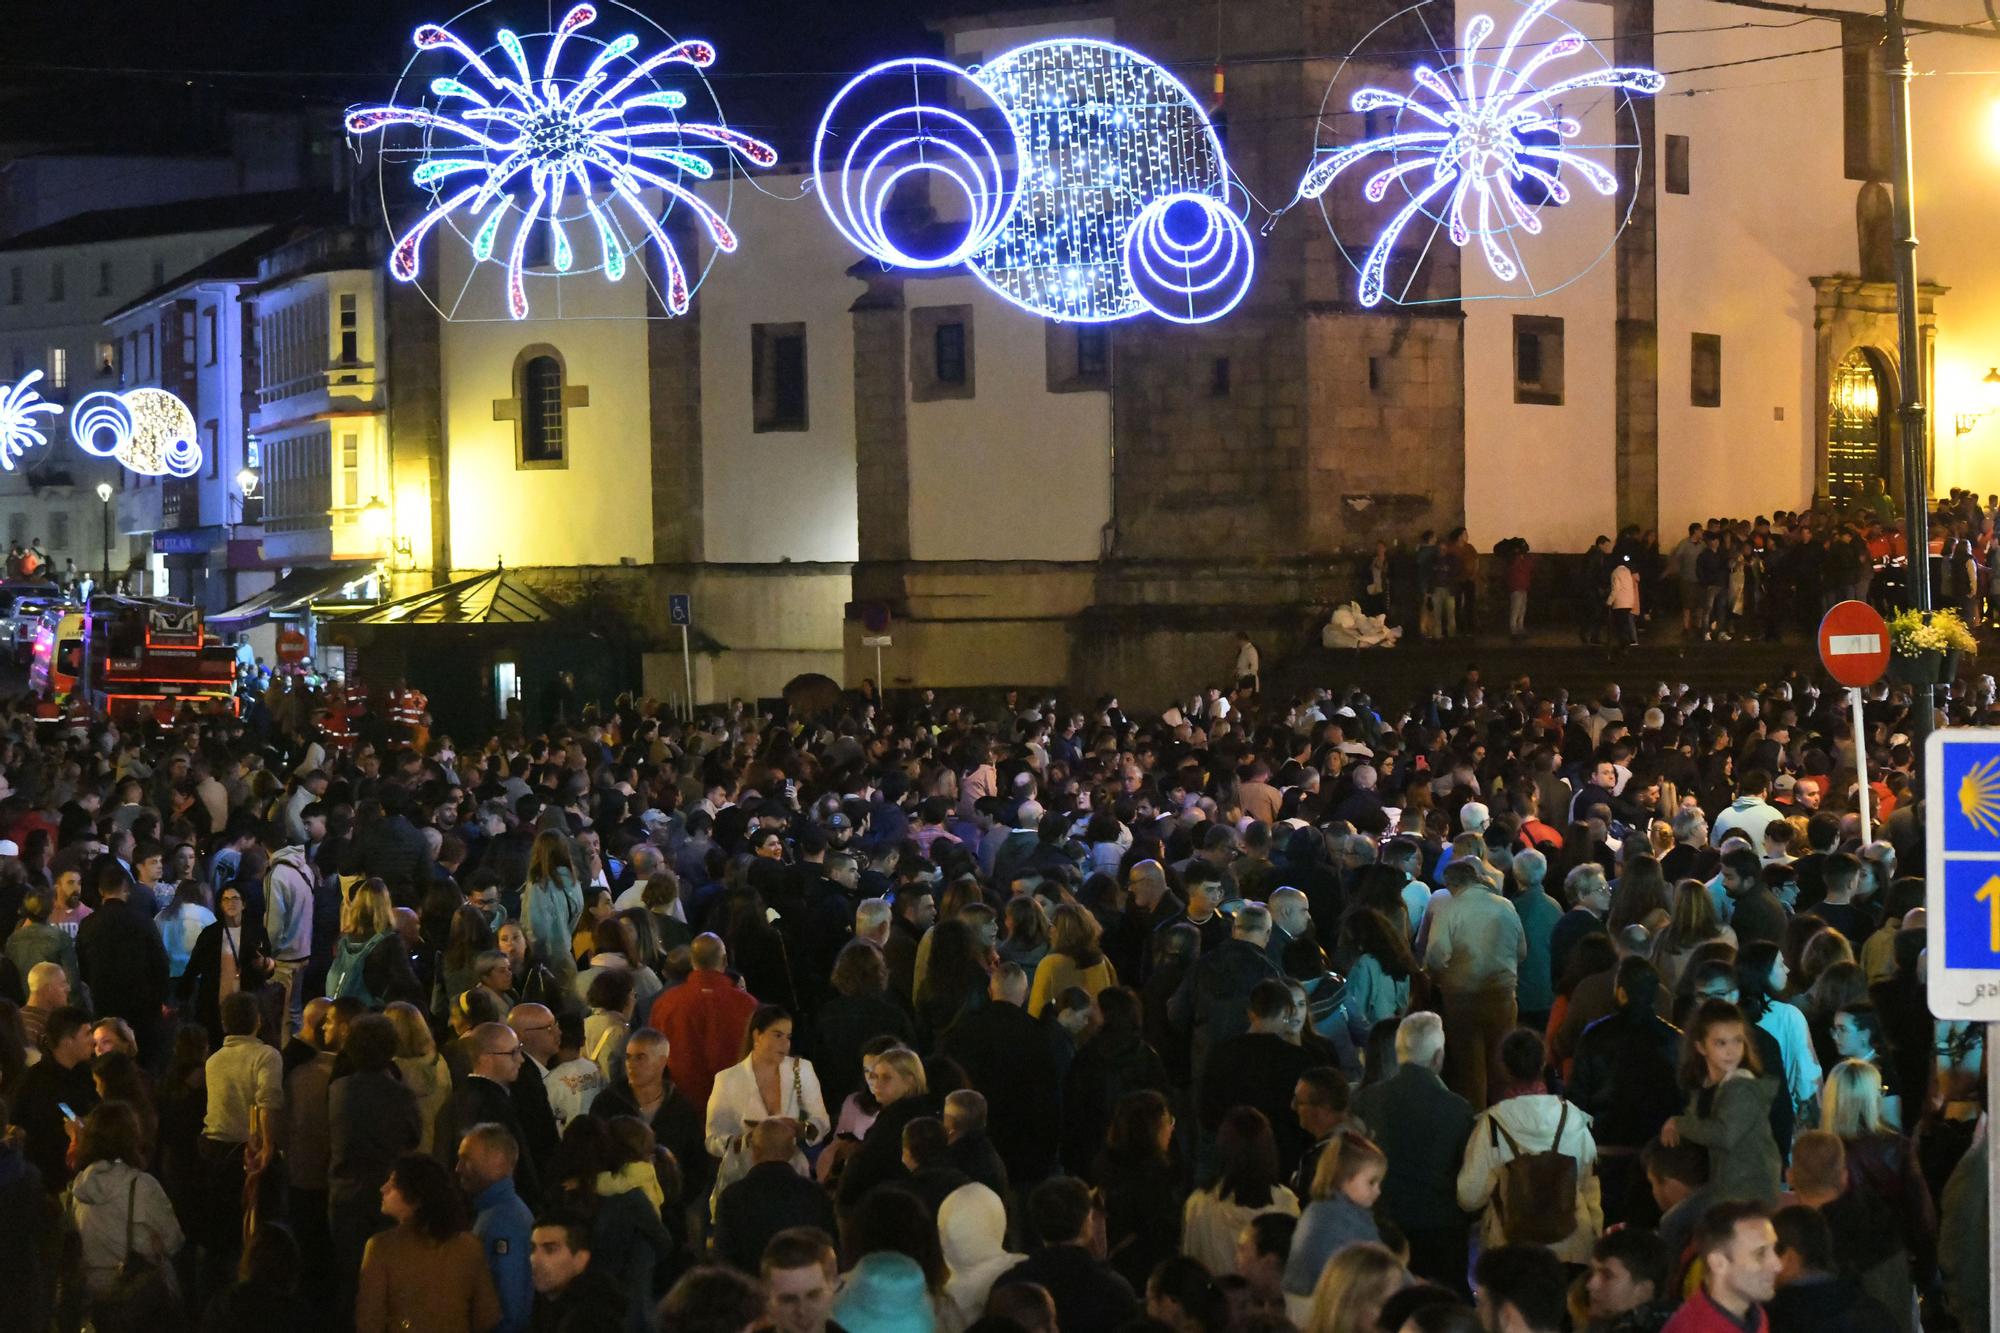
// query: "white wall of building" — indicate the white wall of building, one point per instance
point(1546, 473)
point(596, 510)
point(778, 495)
point(1014, 472)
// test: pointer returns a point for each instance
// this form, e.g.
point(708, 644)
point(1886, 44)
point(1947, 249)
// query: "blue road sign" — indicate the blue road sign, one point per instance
point(1962, 905)
point(680, 608)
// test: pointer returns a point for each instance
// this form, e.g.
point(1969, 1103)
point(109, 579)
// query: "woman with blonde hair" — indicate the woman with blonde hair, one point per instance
point(369, 962)
point(552, 904)
point(1881, 1167)
point(424, 1071)
point(1074, 959)
point(1353, 1288)
point(1694, 923)
point(896, 1078)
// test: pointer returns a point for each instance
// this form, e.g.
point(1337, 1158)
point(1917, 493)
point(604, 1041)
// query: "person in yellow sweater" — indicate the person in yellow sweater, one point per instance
point(1073, 959)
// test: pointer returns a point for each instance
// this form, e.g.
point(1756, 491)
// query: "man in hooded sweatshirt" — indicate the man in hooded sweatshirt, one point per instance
point(972, 1229)
point(288, 920)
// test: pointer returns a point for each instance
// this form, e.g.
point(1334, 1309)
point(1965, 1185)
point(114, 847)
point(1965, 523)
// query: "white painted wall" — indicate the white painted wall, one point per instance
point(596, 511)
point(1546, 473)
point(1766, 211)
point(778, 495)
point(1015, 472)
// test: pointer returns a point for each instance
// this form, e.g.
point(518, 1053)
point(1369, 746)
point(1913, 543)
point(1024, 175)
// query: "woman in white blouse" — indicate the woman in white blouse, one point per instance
point(769, 1083)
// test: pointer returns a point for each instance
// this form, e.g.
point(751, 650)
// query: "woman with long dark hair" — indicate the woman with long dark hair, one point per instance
point(1729, 1105)
point(1246, 1187)
point(552, 904)
point(1378, 984)
point(956, 980)
point(1760, 980)
point(771, 1082)
point(1141, 1182)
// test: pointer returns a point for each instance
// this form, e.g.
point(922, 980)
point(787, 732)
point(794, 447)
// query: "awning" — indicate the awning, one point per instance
point(485, 599)
point(292, 596)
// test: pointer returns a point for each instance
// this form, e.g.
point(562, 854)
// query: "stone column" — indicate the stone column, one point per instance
point(881, 423)
point(1636, 413)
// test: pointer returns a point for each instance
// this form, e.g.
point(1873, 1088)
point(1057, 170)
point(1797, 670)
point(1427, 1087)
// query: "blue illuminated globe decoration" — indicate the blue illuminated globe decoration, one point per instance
point(509, 145)
point(1478, 147)
point(1092, 185)
point(149, 431)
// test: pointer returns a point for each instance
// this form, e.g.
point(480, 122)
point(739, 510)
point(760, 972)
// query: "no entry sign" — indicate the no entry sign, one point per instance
point(1854, 644)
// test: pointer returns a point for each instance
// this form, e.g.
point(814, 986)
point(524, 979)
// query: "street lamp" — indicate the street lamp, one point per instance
point(104, 495)
point(1989, 403)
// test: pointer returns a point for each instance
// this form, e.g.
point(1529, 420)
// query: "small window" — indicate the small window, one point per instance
point(1077, 357)
point(56, 282)
point(146, 342)
point(1705, 370)
point(950, 362)
point(1218, 377)
point(1677, 164)
point(778, 376)
point(212, 436)
point(211, 333)
point(17, 284)
point(107, 357)
point(1093, 352)
point(58, 367)
point(59, 529)
point(1374, 374)
point(542, 411)
point(350, 329)
point(1538, 360)
point(942, 355)
point(350, 470)
point(104, 277)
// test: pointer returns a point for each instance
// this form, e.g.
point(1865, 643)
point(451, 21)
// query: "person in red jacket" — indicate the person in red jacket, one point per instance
point(704, 1019)
point(1739, 1249)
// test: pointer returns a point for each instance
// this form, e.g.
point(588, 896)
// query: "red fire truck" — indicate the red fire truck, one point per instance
point(131, 657)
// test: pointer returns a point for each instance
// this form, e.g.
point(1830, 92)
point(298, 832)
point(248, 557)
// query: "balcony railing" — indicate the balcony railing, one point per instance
point(358, 379)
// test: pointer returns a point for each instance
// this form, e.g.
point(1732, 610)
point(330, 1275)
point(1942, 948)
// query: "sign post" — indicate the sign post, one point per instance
point(878, 642)
point(680, 611)
point(1854, 647)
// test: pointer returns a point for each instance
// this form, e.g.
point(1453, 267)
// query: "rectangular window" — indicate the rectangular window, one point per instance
point(213, 434)
point(146, 345)
point(17, 284)
point(1374, 374)
point(59, 529)
point(1705, 370)
point(107, 357)
point(211, 333)
point(778, 376)
point(1538, 360)
point(950, 362)
point(1093, 352)
point(130, 370)
point(1218, 377)
point(350, 329)
point(58, 367)
point(1677, 164)
point(942, 356)
point(104, 277)
point(350, 470)
point(56, 284)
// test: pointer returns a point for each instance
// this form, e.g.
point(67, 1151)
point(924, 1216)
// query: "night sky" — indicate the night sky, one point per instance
point(140, 74)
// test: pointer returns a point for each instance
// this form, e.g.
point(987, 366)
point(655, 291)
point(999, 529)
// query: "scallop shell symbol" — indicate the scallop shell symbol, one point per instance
point(1979, 797)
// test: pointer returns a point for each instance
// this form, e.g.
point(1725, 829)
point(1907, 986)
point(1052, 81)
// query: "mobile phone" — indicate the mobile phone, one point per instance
point(64, 1108)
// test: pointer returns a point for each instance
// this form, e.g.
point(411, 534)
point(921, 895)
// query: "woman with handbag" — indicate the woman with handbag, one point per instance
point(233, 954)
point(125, 1227)
point(428, 1271)
point(770, 1083)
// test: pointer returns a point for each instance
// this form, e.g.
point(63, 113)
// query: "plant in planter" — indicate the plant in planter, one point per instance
point(1925, 648)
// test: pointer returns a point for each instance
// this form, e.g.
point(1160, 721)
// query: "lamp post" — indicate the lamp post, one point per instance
point(104, 495)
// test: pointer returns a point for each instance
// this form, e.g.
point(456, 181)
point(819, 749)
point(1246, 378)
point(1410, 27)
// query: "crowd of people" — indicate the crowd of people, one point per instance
point(1767, 577)
point(1504, 1011)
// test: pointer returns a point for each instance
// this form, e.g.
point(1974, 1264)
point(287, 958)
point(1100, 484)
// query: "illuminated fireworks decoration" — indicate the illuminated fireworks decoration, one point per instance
point(1089, 182)
point(510, 146)
point(147, 430)
point(1479, 147)
point(19, 406)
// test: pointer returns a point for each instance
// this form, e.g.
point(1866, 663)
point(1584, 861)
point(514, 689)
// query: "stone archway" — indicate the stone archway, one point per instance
point(1852, 316)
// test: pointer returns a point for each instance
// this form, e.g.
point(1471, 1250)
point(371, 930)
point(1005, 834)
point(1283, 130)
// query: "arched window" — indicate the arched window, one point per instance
point(541, 390)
